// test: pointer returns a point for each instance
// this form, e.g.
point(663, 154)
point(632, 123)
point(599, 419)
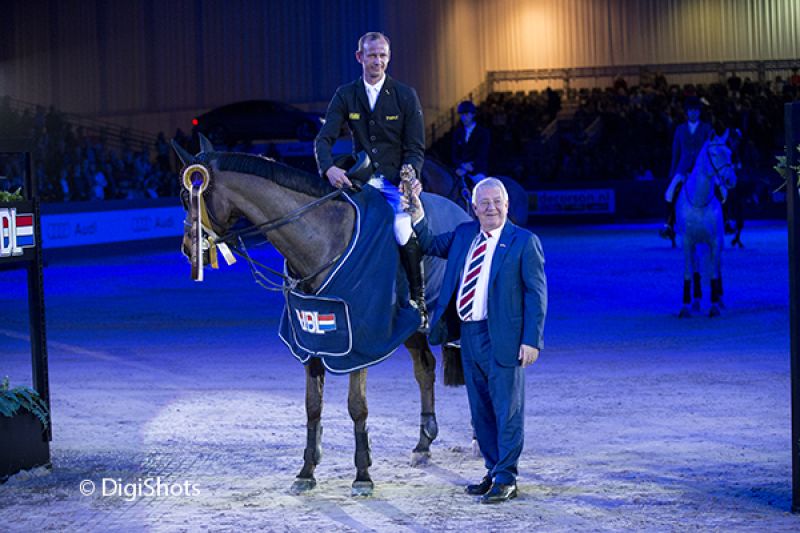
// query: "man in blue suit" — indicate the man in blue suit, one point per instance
point(494, 296)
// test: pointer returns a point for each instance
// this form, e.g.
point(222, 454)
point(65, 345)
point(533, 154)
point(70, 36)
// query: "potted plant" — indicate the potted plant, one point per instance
point(8, 196)
point(24, 419)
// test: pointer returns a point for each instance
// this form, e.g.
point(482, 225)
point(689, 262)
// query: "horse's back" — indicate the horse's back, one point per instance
point(443, 216)
point(439, 179)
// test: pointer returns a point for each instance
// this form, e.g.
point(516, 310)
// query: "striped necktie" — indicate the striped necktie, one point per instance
point(466, 295)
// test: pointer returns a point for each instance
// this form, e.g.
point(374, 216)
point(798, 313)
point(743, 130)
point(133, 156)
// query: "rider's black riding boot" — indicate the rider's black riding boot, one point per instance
point(668, 231)
point(411, 258)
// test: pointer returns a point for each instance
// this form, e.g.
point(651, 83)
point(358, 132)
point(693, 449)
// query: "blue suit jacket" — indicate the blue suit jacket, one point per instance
point(517, 299)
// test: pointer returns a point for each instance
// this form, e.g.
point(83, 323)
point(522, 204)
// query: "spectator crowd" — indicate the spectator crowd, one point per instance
point(72, 165)
point(599, 134)
point(624, 132)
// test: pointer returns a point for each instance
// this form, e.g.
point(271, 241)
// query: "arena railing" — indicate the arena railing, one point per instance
point(114, 135)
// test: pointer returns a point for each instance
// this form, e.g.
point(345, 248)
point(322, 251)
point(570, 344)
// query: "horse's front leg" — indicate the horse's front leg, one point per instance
point(425, 374)
point(315, 384)
point(357, 406)
point(716, 276)
point(697, 282)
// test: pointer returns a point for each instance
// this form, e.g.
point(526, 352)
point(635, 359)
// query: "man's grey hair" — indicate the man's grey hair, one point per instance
point(488, 182)
point(372, 36)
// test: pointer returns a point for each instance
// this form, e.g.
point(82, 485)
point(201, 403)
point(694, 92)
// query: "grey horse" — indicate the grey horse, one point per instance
point(699, 217)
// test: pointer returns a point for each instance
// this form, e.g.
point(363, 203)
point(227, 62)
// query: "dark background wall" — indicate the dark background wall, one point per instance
point(154, 64)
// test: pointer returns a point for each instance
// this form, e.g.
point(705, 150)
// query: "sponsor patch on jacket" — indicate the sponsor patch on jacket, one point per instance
point(355, 116)
point(392, 117)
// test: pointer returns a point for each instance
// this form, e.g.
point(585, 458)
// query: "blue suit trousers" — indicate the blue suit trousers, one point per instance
point(496, 400)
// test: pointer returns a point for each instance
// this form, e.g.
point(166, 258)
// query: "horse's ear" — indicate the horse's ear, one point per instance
point(185, 157)
point(205, 144)
point(724, 136)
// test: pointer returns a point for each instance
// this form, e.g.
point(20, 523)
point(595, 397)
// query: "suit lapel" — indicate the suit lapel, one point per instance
point(361, 93)
point(386, 91)
point(506, 236)
point(461, 253)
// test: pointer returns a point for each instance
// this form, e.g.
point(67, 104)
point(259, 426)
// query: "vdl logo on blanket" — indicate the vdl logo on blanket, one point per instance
point(314, 322)
point(17, 232)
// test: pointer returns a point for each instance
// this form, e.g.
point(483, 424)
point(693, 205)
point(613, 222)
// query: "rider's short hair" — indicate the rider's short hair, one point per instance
point(488, 182)
point(372, 36)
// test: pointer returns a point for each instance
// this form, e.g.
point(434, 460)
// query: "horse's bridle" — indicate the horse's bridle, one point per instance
point(717, 174)
point(225, 239)
point(717, 171)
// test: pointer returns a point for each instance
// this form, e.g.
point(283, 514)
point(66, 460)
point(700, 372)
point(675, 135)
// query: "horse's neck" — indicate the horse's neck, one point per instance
point(309, 242)
point(700, 184)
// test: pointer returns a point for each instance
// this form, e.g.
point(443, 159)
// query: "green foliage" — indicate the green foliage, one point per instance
point(16, 196)
point(12, 400)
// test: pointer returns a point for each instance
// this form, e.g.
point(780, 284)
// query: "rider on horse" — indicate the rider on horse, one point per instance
point(385, 120)
point(689, 139)
point(470, 145)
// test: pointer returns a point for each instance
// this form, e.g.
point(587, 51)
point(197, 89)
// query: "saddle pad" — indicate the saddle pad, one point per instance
point(319, 325)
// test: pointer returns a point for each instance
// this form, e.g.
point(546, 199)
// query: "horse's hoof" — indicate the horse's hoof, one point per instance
point(420, 458)
point(362, 488)
point(476, 449)
point(696, 306)
point(714, 311)
point(685, 313)
point(302, 485)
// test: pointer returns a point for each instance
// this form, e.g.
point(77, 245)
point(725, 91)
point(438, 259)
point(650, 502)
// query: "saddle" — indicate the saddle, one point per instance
point(360, 170)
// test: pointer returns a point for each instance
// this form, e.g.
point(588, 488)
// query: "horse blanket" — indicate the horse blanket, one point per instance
point(360, 314)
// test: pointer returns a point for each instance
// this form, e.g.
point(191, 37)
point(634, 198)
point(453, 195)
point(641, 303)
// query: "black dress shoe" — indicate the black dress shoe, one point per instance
point(500, 493)
point(481, 488)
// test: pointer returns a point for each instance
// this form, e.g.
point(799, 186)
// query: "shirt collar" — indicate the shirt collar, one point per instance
point(377, 87)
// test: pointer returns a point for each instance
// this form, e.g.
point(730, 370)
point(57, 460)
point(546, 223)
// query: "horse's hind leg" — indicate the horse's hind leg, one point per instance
point(688, 261)
point(716, 278)
point(425, 374)
point(357, 406)
point(315, 383)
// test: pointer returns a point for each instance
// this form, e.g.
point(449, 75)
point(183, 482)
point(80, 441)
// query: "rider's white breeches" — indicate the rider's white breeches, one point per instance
point(402, 220)
point(676, 179)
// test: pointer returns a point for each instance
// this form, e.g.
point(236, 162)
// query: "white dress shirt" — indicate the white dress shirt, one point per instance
point(479, 307)
point(373, 91)
point(468, 132)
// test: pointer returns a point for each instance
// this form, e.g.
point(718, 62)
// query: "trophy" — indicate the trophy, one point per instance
point(407, 174)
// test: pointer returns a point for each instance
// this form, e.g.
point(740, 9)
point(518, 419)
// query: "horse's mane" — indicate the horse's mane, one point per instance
point(284, 175)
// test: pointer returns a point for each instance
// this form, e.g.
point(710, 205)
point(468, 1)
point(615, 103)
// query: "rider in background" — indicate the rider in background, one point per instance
point(385, 120)
point(686, 145)
point(470, 148)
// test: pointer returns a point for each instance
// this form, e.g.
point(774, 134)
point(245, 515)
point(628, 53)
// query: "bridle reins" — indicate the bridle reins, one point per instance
point(717, 174)
point(225, 242)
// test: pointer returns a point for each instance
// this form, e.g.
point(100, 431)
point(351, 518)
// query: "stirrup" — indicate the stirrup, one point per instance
point(423, 313)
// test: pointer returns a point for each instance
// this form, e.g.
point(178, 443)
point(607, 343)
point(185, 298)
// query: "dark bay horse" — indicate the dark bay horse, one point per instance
point(262, 190)
point(439, 179)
